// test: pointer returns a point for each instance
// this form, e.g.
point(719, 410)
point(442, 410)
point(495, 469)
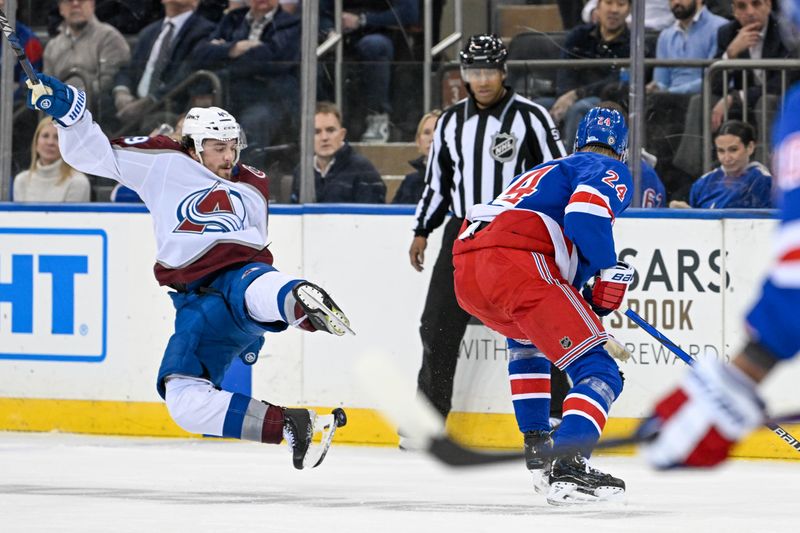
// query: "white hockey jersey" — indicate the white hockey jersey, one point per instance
point(202, 222)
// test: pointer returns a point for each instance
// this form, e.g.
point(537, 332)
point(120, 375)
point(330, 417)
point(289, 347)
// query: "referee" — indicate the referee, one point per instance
point(480, 144)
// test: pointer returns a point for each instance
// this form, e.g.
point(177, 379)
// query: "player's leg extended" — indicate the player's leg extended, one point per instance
point(199, 407)
point(273, 296)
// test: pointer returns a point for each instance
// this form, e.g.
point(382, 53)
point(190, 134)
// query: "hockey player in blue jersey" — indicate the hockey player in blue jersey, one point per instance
point(717, 404)
point(520, 262)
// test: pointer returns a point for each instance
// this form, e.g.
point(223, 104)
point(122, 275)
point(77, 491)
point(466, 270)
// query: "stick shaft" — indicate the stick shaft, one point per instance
point(784, 435)
point(19, 51)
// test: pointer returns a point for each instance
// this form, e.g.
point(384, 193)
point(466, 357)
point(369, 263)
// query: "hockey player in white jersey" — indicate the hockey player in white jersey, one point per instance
point(210, 221)
point(717, 405)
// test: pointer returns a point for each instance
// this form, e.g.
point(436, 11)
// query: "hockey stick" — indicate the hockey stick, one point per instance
point(38, 88)
point(686, 358)
point(381, 380)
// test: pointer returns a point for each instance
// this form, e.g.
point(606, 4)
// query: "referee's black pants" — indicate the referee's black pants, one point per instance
point(442, 328)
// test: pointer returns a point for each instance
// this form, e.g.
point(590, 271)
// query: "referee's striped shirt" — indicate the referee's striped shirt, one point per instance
point(476, 152)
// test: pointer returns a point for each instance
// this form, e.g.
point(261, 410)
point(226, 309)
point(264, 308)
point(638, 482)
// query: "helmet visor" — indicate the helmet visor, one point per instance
point(477, 74)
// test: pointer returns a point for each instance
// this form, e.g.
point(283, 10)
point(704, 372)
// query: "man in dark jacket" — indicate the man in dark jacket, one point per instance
point(159, 61)
point(257, 50)
point(341, 175)
point(754, 34)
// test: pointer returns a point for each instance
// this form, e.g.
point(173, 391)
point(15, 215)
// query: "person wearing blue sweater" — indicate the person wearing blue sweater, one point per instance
point(737, 182)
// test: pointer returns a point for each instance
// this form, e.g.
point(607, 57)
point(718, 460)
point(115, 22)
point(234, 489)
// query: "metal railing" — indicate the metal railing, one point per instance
point(722, 67)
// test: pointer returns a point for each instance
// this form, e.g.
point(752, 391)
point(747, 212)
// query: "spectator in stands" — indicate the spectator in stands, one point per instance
point(692, 36)
point(410, 191)
point(580, 89)
point(657, 14)
point(737, 182)
point(368, 37)
point(257, 50)
point(33, 50)
point(340, 173)
point(570, 11)
point(128, 16)
point(49, 178)
point(160, 60)
point(754, 34)
point(86, 53)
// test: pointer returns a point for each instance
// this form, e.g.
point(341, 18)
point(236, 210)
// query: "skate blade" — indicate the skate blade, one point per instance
point(541, 482)
point(336, 321)
point(326, 425)
point(565, 493)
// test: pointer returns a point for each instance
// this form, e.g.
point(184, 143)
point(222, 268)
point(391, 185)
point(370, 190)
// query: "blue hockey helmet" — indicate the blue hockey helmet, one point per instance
point(604, 127)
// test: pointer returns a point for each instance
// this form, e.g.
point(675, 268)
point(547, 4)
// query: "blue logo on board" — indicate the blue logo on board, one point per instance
point(53, 294)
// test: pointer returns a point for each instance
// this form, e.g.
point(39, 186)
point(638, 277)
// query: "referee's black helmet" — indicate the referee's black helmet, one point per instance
point(484, 51)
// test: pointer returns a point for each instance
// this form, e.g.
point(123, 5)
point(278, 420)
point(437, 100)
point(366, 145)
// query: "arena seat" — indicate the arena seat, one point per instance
point(534, 83)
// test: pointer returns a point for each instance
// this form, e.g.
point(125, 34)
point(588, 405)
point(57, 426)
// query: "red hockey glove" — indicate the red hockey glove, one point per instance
point(715, 407)
point(609, 288)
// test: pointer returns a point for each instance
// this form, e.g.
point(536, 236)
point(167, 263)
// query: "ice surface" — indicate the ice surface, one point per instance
point(76, 483)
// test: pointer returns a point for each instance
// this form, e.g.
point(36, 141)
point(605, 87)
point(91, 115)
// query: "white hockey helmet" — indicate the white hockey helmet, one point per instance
point(203, 123)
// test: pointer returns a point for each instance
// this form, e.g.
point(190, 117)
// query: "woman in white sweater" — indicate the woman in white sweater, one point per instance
point(49, 178)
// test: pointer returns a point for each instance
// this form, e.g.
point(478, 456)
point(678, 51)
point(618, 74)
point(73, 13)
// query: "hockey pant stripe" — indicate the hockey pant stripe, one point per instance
point(598, 337)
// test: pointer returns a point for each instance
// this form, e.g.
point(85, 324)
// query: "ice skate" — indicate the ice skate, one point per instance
point(572, 481)
point(320, 309)
point(298, 429)
point(537, 442)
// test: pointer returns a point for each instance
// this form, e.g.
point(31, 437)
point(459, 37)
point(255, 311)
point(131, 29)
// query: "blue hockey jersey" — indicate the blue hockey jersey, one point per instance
point(751, 190)
point(578, 198)
point(774, 320)
point(653, 192)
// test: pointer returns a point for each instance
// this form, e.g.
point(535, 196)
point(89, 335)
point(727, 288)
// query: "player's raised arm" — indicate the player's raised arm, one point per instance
point(83, 144)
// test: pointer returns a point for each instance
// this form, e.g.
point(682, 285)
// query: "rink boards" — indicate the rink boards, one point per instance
point(83, 322)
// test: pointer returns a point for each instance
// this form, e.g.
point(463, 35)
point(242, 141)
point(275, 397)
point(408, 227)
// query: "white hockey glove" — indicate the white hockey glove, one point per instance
point(64, 103)
point(700, 421)
point(609, 288)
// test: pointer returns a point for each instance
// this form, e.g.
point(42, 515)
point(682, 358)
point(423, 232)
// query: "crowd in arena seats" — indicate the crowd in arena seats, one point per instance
point(131, 55)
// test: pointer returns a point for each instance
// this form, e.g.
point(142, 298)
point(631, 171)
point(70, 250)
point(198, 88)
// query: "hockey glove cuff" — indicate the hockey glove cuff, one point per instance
point(699, 422)
point(609, 288)
point(64, 103)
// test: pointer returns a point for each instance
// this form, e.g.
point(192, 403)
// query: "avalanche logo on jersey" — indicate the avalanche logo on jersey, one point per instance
point(216, 209)
point(504, 147)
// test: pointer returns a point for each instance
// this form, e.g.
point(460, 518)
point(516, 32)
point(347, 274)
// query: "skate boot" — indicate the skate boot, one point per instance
point(537, 442)
point(572, 480)
point(299, 426)
point(320, 309)
point(298, 430)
